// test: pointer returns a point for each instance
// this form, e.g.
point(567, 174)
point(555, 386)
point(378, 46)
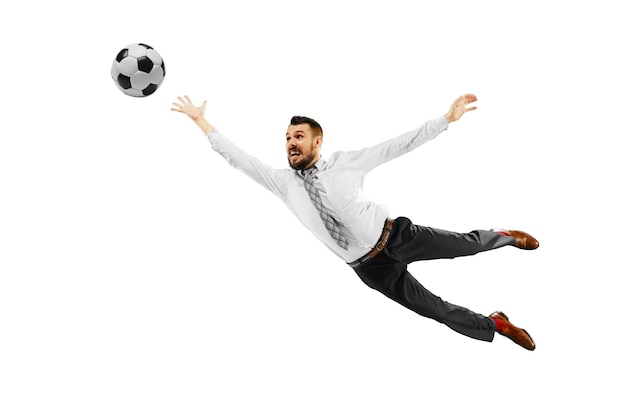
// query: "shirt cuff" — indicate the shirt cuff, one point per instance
point(213, 132)
point(442, 123)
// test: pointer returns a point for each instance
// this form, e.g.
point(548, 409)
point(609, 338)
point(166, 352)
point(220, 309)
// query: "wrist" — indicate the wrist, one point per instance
point(203, 124)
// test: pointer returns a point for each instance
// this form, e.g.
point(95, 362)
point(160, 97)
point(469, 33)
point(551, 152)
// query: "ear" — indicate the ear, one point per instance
point(318, 142)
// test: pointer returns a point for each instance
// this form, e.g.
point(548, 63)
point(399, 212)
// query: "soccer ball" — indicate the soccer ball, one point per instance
point(138, 70)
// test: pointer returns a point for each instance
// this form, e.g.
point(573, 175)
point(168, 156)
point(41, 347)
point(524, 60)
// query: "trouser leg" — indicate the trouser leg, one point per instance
point(388, 274)
point(392, 279)
point(409, 242)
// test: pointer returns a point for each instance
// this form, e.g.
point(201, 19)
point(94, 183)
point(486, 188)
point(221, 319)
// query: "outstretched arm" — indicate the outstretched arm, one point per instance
point(195, 113)
point(235, 156)
point(458, 109)
point(373, 156)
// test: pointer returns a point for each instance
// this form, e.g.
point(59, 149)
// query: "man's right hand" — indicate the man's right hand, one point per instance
point(195, 113)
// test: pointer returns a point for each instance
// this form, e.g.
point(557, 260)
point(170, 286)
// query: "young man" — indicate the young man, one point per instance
point(327, 197)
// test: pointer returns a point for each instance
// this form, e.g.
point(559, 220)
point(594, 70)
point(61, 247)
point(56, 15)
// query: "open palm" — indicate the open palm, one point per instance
point(185, 106)
point(458, 107)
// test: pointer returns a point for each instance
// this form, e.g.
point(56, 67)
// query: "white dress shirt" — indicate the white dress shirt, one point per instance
point(341, 176)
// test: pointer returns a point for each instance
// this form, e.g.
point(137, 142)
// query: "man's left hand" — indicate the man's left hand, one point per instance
point(458, 107)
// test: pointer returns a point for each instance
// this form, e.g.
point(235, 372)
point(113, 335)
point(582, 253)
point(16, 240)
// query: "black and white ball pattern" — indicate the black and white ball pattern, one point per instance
point(138, 70)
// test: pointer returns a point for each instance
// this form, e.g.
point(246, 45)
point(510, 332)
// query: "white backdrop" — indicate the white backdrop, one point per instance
point(141, 276)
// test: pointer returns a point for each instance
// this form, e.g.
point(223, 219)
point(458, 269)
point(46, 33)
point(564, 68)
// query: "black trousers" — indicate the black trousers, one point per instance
point(387, 272)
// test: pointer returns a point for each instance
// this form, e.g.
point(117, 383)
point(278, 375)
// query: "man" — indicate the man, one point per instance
point(327, 197)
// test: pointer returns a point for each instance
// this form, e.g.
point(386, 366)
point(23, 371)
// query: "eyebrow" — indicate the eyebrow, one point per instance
point(297, 131)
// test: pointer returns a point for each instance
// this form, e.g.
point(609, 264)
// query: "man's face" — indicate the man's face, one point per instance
point(302, 146)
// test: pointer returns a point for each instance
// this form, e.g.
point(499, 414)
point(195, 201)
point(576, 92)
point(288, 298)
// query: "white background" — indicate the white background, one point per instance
point(140, 275)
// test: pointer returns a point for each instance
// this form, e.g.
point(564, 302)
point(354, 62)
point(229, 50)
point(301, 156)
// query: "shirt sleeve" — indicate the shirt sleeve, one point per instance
point(259, 171)
point(373, 156)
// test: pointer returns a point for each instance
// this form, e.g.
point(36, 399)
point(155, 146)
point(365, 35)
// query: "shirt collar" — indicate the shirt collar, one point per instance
point(320, 165)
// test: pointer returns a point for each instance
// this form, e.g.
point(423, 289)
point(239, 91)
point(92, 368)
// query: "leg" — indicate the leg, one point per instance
point(409, 242)
point(392, 279)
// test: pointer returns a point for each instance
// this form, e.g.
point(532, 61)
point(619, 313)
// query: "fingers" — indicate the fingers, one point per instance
point(183, 102)
point(177, 107)
point(466, 99)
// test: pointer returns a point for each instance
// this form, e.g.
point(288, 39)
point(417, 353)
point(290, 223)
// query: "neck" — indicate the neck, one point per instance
point(313, 162)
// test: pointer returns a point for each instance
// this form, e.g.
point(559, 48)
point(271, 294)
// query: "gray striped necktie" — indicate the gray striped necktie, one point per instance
point(313, 187)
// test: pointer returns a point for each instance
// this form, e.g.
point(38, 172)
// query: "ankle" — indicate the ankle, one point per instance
point(499, 325)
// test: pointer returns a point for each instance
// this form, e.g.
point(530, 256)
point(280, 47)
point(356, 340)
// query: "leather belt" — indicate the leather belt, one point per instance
point(382, 242)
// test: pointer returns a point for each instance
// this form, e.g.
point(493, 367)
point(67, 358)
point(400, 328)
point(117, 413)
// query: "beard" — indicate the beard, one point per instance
point(304, 163)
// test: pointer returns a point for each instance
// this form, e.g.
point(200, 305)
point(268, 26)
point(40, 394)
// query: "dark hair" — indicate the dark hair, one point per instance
point(299, 120)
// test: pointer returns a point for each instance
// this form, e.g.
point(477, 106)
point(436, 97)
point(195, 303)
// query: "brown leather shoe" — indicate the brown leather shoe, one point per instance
point(519, 336)
point(522, 239)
